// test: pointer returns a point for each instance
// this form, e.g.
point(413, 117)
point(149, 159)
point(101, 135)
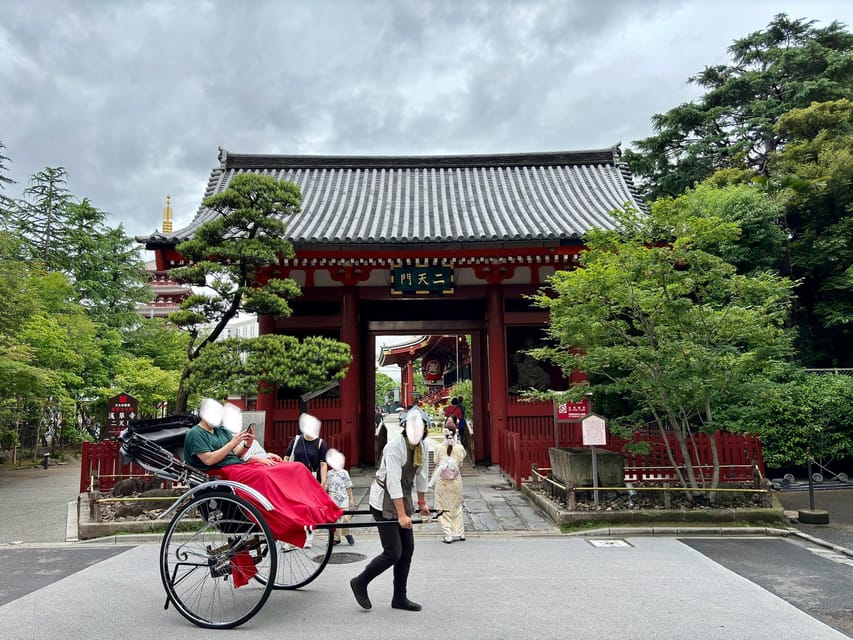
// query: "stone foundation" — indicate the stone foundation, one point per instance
point(770, 515)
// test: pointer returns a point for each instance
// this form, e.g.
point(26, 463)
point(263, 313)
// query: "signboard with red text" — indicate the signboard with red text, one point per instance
point(121, 409)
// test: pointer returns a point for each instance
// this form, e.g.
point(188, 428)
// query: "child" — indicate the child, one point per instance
point(339, 487)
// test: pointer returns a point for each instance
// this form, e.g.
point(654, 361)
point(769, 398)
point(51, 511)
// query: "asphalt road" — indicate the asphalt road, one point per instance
point(492, 586)
point(809, 577)
point(486, 588)
point(839, 504)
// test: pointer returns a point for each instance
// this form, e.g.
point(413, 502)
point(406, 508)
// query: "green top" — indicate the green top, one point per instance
point(199, 440)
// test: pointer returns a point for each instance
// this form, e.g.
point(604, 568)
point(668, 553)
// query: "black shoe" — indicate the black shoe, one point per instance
point(405, 604)
point(360, 593)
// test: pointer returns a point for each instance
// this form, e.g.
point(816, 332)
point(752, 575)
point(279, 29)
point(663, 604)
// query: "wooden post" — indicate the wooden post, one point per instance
point(349, 385)
point(496, 348)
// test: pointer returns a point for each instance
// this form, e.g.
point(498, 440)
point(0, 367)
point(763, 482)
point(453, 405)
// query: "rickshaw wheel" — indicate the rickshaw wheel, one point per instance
point(297, 567)
point(207, 569)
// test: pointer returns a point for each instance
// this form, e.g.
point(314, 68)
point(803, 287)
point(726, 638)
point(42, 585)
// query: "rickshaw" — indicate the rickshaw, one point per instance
point(218, 560)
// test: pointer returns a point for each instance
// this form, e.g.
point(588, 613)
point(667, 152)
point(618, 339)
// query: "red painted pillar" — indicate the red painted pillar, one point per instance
point(349, 385)
point(496, 348)
point(410, 384)
point(266, 400)
point(479, 409)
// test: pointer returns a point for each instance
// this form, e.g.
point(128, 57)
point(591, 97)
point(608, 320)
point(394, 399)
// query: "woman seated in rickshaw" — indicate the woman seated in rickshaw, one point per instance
point(299, 500)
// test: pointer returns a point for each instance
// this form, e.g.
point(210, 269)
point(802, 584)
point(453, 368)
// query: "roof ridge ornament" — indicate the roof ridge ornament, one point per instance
point(167, 216)
point(223, 157)
point(617, 151)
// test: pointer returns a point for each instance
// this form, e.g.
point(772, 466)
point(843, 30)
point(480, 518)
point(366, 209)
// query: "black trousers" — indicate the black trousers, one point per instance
point(398, 546)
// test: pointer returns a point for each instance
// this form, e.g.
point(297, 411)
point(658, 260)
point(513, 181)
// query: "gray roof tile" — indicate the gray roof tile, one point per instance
point(436, 199)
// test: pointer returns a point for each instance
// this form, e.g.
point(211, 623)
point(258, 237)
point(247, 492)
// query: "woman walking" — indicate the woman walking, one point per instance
point(448, 483)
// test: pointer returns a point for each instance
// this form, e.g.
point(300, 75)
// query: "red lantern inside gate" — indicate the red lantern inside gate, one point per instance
point(433, 368)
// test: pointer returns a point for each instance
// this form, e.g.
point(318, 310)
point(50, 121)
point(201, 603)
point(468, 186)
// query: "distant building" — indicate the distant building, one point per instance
point(168, 294)
point(244, 327)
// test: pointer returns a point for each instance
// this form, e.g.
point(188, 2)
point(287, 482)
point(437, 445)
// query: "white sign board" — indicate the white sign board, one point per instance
point(594, 432)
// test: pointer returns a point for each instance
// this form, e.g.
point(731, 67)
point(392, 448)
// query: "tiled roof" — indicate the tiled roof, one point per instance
point(436, 199)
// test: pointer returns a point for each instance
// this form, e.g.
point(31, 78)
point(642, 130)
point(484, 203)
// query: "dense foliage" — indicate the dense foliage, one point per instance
point(384, 389)
point(776, 122)
point(788, 65)
point(657, 318)
point(70, 286)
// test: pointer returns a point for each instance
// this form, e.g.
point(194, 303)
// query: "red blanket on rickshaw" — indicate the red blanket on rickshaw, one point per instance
point(299, 500)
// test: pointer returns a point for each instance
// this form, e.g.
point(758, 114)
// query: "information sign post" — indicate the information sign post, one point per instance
point(594, 433)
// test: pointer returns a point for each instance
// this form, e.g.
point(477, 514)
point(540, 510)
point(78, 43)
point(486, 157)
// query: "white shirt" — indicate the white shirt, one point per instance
point(391, 469)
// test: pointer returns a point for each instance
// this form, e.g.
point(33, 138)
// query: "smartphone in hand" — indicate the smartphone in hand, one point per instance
point(250, 428)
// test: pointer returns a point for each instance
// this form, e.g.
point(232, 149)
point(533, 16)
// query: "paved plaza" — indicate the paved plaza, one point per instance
point(515, 576)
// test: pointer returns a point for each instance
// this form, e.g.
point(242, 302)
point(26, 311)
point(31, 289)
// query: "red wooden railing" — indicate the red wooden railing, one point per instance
point(102, 461)
point(530, 445)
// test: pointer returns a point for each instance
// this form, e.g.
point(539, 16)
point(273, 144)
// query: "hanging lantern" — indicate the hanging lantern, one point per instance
point(433, 369)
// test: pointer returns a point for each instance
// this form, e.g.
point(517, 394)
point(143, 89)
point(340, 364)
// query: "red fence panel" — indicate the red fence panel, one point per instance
point(103, 460)
point(737, 452)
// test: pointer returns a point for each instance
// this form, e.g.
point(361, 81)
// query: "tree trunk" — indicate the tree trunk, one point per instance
point(688, 463)
point(664, 434)
point(183, 396)
point(715, 457)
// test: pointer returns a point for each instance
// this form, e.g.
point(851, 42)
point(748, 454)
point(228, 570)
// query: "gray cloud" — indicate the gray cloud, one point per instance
point(133, 98)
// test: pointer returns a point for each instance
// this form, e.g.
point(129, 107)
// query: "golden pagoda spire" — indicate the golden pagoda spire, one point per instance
point(167, 216)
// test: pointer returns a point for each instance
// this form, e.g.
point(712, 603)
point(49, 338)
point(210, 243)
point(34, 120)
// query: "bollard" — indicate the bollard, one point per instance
point(46, 459)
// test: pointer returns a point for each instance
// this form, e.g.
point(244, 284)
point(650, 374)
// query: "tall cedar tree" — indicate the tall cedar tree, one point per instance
point(788, 65)
point(812, 175)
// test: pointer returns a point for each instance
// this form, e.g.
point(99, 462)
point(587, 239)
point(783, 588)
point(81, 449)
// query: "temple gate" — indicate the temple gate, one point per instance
point(421, 246)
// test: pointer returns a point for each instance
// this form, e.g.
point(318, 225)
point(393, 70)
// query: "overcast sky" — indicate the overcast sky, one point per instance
point(133, 97)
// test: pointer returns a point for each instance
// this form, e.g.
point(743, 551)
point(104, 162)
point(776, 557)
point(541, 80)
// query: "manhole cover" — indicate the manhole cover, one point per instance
point(346, 557)
point(609, 543)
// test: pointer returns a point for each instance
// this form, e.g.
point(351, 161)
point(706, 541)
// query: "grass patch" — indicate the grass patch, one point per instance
point(584, 525)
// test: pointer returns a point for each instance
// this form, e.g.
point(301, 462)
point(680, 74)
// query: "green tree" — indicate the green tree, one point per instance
point(653, 317)
point(758, 244)
point(4, 179)
point(384, 389)
point(234, 256)
point(19, 301)
point(804, 415)
point(43, 215)
point(73, 238)
point(161, 342)
point(144, 380)
point(239, 365)
point(788, 65)
point(104, 263)
point(6, 204)
point(812, 175)
point(64, 341)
